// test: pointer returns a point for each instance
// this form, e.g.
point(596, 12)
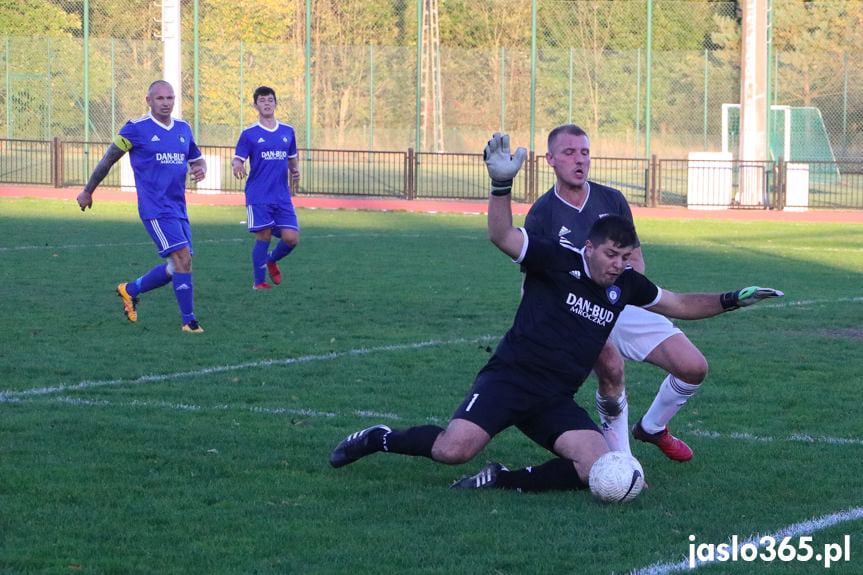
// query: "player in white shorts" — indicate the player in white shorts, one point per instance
point(568, 210)
point(572, 298)
point(639, 331)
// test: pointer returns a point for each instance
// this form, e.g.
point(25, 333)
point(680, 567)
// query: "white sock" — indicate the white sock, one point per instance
point(671, 396)
point(615, 428)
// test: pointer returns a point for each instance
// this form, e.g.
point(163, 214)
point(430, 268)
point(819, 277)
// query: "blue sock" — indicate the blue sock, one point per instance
point(185, 296)
point(259, 260)
point(282, 249)
point(155, 278)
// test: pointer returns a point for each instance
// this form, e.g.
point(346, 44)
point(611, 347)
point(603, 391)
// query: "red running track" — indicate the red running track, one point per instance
point(432, 206)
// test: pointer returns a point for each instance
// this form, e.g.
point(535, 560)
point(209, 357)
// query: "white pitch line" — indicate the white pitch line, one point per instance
point(719, 246)
point(15, 395)
point(779, 304)
point(768, 439)
point(230, 240)
point(190, 407)
point(257, 409)
point(795, 530)
point(111, 245)
point(308, 412)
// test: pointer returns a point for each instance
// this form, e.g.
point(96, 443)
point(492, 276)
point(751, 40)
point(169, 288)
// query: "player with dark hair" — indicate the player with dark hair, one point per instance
point(568, 210)
point(572, 298)
point(271, 148)
point(162, 151)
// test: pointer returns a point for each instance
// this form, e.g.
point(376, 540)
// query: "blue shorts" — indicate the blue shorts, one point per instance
point(266, 216)
point(170, 234)
point(502, 396)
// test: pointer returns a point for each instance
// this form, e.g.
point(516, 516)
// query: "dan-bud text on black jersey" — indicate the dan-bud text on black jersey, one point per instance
point(564, 317)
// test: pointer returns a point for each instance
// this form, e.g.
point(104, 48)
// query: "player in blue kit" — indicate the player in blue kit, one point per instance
point(271, 148)
point(568, 210)
point(162, 151)
point(572, 299)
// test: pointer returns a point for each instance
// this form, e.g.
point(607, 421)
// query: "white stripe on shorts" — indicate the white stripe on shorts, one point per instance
point(163, 241)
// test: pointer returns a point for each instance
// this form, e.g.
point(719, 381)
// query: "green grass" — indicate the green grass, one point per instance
point(135, 448)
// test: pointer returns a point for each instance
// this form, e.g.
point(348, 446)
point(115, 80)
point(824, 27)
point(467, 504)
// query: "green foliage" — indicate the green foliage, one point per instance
point(36, 18)
point(135, 448)
point(127, 19)
point(799, 32)
point(259, 22)
point(590, 69)
point(468, 24)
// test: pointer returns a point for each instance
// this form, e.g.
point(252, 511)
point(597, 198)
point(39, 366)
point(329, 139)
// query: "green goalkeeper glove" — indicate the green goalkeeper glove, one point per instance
point(502, 166)
point(746, 296)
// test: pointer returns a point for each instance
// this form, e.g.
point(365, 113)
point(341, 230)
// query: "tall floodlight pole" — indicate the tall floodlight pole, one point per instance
point(197, 59)
point(503, 89)
point(308, 75)
point(753, 104)
point(371, 97)
point(172, 69)
point(533, 76)
point(768, 92)
point(418, 114)
point(9, 118)
point(86, 70)
point(648, 79)
point(430, 81)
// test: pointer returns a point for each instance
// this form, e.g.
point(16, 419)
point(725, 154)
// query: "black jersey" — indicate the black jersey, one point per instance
point(564, 317)
point(550, 216)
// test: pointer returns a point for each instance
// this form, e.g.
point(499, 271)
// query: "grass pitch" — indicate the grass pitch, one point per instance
point(135, 448)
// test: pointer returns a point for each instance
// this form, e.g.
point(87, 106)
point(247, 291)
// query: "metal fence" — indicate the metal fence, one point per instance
point(707, 184)
point(714, 183)
point(348, 73)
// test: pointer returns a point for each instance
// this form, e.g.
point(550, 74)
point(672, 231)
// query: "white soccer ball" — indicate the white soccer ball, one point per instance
point(616, 477)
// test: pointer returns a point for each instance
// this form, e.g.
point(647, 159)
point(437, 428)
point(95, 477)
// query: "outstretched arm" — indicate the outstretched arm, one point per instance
point(85, 198)
point(702, 305)
point(502, 168)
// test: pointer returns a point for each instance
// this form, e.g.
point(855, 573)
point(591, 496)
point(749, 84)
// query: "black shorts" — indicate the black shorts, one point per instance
point(502, 396)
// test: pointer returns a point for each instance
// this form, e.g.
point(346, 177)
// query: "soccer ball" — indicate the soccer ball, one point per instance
point(616, 477)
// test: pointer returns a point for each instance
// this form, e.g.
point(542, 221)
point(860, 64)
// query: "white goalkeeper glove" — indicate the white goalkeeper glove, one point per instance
point(747, 296)
point(502, 166)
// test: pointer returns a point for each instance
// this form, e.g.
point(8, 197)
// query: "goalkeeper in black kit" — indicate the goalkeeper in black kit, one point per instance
point(572, 298)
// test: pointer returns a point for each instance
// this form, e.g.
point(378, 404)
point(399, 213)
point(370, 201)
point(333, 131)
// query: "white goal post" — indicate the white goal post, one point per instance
point(731, 119)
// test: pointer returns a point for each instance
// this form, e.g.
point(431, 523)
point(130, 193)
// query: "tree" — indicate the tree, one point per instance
point(36, 18)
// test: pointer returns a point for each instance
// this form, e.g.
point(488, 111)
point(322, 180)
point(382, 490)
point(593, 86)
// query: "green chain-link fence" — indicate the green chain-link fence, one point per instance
point(590, 67)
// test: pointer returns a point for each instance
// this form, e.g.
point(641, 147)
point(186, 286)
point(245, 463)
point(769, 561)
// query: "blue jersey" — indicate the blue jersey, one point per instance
point(551, 216)
point(160, 157)
point(268, 152)
point(564, 317)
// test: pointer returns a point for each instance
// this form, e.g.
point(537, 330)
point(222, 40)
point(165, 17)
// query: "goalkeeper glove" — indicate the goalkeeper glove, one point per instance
point(502, 166)
point(746, 296)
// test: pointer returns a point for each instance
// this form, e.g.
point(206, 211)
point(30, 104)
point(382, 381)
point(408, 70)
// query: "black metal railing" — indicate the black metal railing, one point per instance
point(716, 184)
point(26, 162)
point(695, 183)
point(352, 173)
